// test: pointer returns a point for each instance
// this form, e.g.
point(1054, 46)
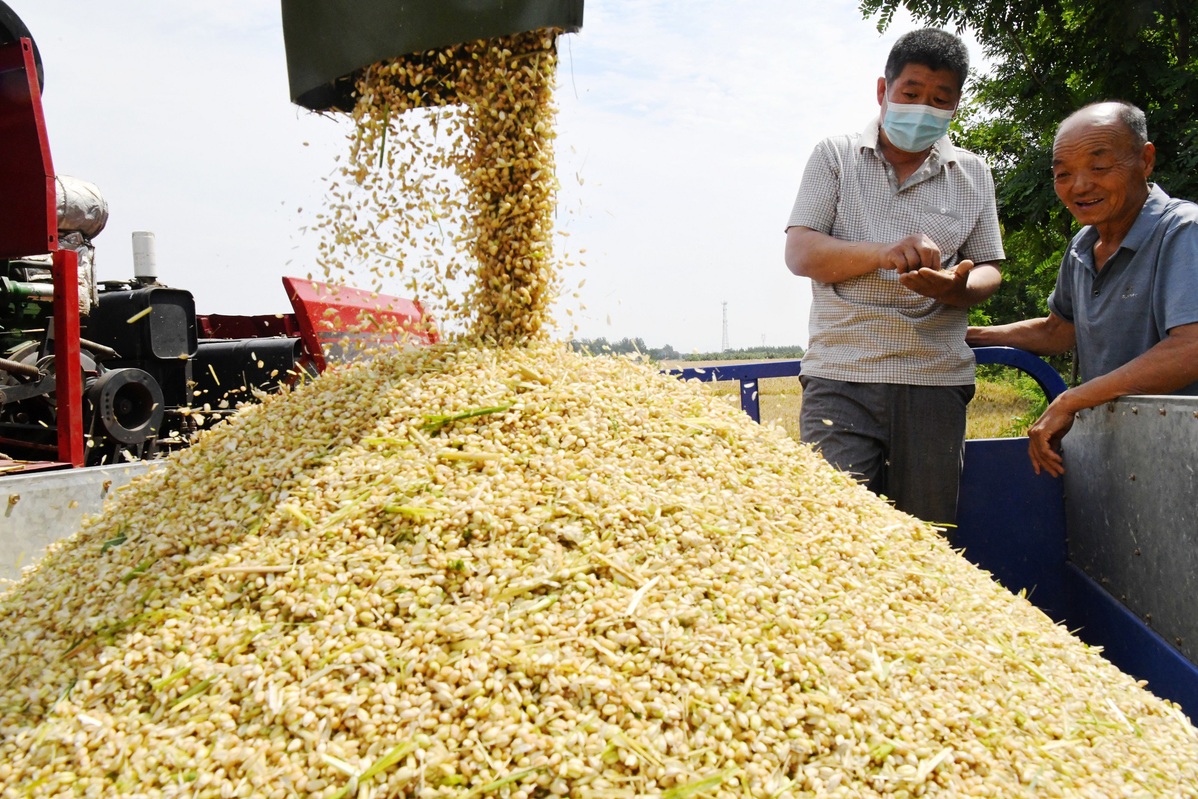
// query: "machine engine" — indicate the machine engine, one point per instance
point(149, 382)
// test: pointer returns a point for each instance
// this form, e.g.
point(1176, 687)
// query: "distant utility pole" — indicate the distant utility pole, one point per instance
point(724, 346)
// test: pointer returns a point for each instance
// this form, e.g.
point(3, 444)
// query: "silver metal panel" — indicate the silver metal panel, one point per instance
point(38, 509)
point(1131, 508)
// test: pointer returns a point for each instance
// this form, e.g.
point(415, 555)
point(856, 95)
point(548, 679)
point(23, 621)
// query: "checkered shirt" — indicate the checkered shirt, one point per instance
point(872, 329)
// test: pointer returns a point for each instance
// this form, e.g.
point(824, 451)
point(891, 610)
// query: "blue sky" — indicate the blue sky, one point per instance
point(683, 130)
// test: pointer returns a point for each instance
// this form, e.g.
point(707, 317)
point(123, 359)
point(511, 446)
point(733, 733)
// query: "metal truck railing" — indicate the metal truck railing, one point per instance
point(748, 374)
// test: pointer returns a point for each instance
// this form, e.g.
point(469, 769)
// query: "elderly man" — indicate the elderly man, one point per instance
point(1127, 291)
point(898, 232)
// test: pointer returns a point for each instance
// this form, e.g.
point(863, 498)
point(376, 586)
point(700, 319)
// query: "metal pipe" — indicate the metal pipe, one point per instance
point(25, 290)
point(18, 368)
point(101, 352)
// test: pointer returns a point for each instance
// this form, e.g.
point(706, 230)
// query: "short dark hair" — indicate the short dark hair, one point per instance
point(930, 47)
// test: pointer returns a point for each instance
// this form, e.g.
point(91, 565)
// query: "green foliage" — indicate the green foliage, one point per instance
point(625, 346)
point(1049, 58)
point(749, 354)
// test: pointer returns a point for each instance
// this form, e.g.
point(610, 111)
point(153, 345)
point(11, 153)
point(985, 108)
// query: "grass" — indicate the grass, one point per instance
point(1005, 405)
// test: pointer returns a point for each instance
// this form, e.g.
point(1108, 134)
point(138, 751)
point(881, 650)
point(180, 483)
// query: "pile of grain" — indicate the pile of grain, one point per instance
point(513, 571)
point(521, 572)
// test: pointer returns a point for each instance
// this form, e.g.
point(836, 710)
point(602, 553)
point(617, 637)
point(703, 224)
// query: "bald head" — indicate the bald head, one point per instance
point(1111, 115)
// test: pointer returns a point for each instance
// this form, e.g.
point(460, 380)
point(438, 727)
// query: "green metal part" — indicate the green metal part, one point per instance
point(329, 41)
point(18, 289)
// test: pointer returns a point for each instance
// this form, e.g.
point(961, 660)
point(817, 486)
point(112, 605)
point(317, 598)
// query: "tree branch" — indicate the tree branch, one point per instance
point(1013, 34)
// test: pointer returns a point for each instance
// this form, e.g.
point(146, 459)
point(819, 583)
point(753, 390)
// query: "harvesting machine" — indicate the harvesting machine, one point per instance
point(104, 373)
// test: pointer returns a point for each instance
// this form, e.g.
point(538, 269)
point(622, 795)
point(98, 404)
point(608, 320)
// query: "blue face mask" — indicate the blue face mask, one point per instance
point(914, 128)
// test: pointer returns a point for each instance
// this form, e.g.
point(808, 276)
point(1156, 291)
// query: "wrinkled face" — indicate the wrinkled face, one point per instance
point(1099, 172)
point(921, 85)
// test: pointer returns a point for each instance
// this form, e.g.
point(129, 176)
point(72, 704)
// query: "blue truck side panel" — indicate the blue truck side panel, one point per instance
point(1011, 521)
point(1101, 620)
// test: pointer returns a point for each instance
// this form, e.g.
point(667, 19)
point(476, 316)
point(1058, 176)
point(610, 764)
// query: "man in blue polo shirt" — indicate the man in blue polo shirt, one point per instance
point(1127, 293)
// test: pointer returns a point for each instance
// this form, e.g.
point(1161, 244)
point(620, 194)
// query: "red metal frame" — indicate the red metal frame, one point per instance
point(229, 326)
point(29, 216)
point(29, 226)
point(68, 372)
point(339, 323)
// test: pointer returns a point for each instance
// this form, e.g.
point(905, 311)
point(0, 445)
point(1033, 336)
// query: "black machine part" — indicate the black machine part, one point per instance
point(228, 371)
point(128, 404)
point(11, 30)
point(151, 323)
point(329, 41)
point(33, 374)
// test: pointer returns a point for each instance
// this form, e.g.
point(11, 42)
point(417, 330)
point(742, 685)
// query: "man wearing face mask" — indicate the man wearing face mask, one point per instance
point(898, 231)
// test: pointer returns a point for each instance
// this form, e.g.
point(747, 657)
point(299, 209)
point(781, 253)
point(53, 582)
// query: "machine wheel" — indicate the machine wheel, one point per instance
point(129, 405)
point(11, 29)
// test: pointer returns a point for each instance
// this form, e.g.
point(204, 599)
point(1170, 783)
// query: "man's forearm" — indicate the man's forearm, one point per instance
point(818, 256)
point(1050, 335)
point(1168, 366)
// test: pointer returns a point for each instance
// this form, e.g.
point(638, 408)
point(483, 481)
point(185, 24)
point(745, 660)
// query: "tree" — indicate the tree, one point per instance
point(1049, 58)
point(625, 346)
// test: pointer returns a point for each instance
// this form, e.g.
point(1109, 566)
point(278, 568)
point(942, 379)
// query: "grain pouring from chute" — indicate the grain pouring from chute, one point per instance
point(448, 187)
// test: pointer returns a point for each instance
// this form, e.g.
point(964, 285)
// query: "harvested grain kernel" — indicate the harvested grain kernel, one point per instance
point(614, 586)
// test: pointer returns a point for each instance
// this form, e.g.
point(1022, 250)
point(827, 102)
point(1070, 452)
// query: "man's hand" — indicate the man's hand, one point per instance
point(1044, 437)
point(939, 284)
point(915, 259)
point(1169, 365)
point(911, 254)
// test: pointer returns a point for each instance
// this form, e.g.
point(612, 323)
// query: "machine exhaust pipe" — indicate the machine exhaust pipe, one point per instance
point(328, 42)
